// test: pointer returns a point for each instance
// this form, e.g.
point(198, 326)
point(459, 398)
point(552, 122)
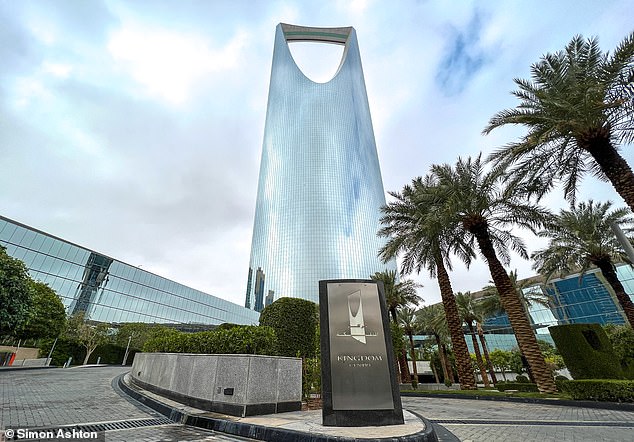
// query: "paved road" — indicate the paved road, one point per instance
point(472, 420)
point(53, 397)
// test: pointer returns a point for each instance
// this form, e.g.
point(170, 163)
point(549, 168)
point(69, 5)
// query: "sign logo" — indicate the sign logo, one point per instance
point(357, 329)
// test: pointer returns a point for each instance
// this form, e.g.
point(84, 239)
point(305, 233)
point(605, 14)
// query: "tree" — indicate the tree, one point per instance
point(88, 335)
point(485, 207)
point(397, 295)
point(16, 294)
point(295, 322)
point(491, 305)
point(577, 109)
point(407, 320)
point(470, 314)
point(413, 228)
point(140, 333)
point(501, 360)
point(516, 363)
point(431, 320)
point(48, 315)
point(581, 238)
point(551, 355)
point(622, 339)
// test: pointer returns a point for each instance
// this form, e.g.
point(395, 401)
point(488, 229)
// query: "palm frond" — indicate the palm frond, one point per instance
point(572, 95)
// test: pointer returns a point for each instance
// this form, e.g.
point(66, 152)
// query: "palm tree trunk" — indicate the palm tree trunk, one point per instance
point(476, 349)
point(609, 272)
point(517, 315)
point(413, 351)
point(450, 373)
point(433, 370)
point(485, 350)
point(612, 164)
point(402, 362)
point(443, 360)
point(402, 357)
point(393, 314)
point(460, 351)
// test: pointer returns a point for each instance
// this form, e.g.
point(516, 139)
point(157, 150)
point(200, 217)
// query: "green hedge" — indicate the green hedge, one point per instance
point(622, 339)
point(108, 353)
point(247, 339)
point(599, 390)
point(587, 351)
point(295, 322)
point(519, 386)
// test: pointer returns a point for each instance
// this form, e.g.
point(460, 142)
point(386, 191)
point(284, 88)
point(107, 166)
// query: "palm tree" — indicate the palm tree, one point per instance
point(414, 230)
point(431, 320)
point(470, 314)
point(407, 320)
point(577, 109)
point(485, 350)
point(397, 295)
point(491, 305)
point(580, 238)
point(485, 207)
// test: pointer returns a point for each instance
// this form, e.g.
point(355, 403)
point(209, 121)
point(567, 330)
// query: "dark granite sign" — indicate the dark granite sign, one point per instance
point(358, 375)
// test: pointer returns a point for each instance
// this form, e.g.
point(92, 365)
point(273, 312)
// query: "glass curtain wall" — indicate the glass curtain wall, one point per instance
point(320, 189)
point(111, 291)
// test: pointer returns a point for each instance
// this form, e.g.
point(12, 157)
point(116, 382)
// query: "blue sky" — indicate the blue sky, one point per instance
point(135, 128)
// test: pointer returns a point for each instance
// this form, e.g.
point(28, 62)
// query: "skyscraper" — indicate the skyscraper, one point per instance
point(320, 188)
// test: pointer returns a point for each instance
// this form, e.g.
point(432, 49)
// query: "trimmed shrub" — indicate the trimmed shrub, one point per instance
point(521, 379)
point(622, 339)
point(107, 353)
point(295, 322)
point(64, 348)
point(245, 339)
point(587, 351)
point(560, 382)
point(519, 386)
point(227, 326)
point(599, 390)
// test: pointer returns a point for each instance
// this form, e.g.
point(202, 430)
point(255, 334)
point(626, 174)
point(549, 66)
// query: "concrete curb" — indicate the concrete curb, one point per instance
point(560, 402)
point(11, 368)
point(261, 432)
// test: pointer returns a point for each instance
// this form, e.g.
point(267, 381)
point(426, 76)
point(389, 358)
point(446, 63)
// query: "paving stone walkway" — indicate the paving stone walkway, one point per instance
point(54, 397)
point(472, 420)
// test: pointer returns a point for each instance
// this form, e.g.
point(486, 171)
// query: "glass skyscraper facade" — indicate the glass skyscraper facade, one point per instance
point(320, 188)
point(108, 290)
point(574, 299)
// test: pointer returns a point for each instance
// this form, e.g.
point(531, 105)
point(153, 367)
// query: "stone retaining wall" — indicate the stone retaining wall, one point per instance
point(239, 385)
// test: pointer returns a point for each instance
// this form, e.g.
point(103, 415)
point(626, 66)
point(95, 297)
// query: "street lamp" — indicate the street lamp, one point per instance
point(127, 349)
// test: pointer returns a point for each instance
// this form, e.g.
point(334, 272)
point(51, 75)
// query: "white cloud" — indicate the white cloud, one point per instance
point(59, 70)
point(169, 64)
point(89, 156)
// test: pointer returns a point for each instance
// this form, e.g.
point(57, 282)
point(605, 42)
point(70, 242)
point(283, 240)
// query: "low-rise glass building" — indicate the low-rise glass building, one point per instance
point(108, 290)
point(573, 299)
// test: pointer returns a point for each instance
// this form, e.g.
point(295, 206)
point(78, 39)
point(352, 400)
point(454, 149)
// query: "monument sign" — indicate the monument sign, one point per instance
point(359, 385)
